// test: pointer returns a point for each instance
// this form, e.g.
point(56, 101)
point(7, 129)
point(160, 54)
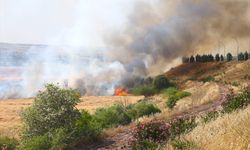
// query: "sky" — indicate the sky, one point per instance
point(62, 22)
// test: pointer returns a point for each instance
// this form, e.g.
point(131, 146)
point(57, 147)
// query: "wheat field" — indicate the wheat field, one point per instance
point(10, 121)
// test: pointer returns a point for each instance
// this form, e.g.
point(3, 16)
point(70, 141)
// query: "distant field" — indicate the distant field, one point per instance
point(10, 122)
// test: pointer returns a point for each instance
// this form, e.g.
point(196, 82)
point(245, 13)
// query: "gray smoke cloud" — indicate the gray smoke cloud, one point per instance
point(159, 33)
point(156, 36)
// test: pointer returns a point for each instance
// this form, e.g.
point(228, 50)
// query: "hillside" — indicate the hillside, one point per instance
point(208, 85)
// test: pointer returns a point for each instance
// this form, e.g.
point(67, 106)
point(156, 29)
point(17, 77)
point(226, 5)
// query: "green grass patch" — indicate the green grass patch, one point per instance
point(8, 143)
point(143, 90)
point(173, 96)
point(142, 109)
point(208, 79)
point(120, 115)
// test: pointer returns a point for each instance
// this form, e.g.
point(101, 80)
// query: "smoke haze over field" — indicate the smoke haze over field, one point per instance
point(154, 36)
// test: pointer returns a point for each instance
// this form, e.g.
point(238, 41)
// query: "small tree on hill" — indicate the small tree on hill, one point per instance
point(221, 58)
point(240, 56)
point(217, 57)
point(198, 58)
point(246, 56)
point(160, 82)
point(192, 59)
point(229, 57)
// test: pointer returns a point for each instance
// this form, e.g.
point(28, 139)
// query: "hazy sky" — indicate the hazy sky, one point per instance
point(68, 22)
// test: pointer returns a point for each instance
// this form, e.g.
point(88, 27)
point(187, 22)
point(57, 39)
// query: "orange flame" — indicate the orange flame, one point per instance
point(121, 91)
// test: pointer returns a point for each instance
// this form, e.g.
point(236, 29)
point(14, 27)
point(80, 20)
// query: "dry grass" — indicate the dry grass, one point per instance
point(10, 121)
point(201, 93)
point(228, 132)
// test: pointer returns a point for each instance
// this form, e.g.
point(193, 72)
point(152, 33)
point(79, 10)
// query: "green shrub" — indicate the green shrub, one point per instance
point(112, 116)
point(235, 83)
point(182, 144)
point(142, 109)
point(145, 145)
point(235, 102)
point(52, 108)
point(160, 82)
point(87, 126)
point(208, 79)
point(38, 143)
point(181, 125)
point(174, 95)
point(143, 90)
point(171, 101)
point(210, 116)
point(10, 143)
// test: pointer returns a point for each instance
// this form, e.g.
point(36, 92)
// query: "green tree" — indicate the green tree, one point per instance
point(160, 82)
point(246, 56)
point(221, 58)
point(229, 57)
point(217, 57)
point(192, 59)
point(240, 56)
point(51, 109)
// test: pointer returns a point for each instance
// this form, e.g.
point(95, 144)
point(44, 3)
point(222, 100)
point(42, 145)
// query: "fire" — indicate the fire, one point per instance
point(121, 91)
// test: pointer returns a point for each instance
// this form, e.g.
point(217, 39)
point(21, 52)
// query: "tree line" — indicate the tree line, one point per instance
point(211, 58)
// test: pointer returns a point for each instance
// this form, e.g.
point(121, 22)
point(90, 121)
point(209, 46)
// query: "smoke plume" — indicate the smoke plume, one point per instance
point(157, 34)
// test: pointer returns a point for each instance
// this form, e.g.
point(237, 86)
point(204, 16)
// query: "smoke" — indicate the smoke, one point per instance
point(160, 33)
point(157, 34)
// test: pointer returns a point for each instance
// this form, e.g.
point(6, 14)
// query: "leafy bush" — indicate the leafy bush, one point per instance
point(51, 109)
point(143, 90)
point(210, 116)
point(208, 79)
point(87, 126)
point(42, 142)
point(112, 116)
point(142, 109)
point(160, 82)
point(182, 144)
point(235, 102)
point(53, 122)
point(171, 101)
point(8, 143)
point(173, 96)
point(146, 134)
point(181, 125)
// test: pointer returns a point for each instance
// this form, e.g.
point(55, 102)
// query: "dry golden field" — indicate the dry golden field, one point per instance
point(10, 121)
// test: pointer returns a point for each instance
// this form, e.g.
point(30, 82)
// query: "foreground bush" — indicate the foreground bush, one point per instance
point(51, 109)
point(143, 90)
point(148, 135)
point(235, 102)
point(8, 143)
point(142, 109)
point(112, 116)
point(181, 125)
point(87, 126)
point(53, 122)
